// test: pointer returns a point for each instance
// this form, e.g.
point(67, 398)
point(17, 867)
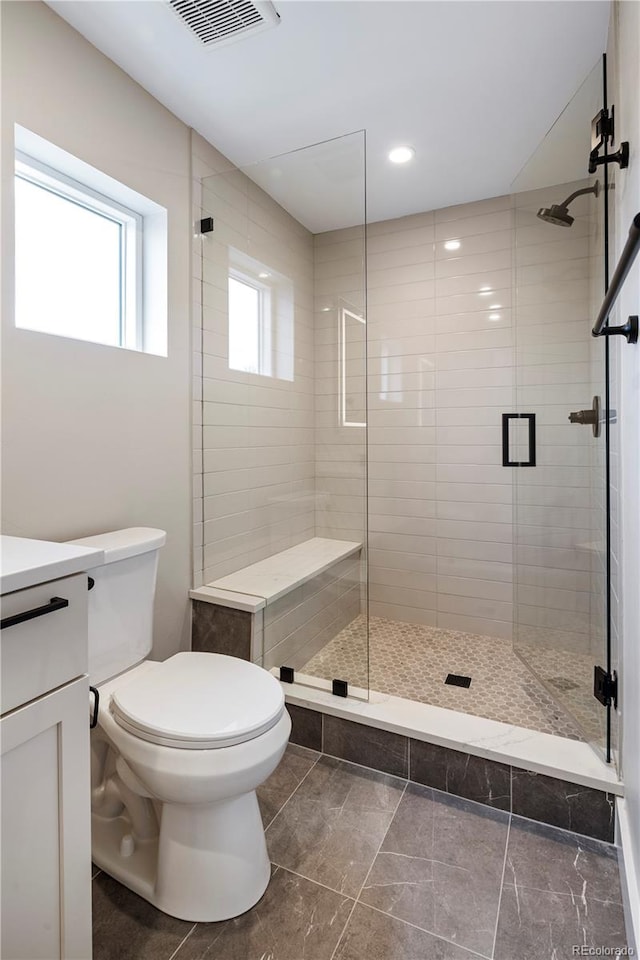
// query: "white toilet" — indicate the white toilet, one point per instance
point(178, 751)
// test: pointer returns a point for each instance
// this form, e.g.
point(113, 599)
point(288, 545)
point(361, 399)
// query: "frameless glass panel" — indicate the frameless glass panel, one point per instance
point(284, 407)
point(559, 502)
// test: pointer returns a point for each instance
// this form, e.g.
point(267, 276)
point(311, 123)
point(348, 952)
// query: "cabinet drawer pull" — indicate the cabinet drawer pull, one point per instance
point(56, 603)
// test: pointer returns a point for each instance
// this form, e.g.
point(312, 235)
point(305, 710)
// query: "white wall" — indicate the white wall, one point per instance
point(96, 438)
point(625, 41)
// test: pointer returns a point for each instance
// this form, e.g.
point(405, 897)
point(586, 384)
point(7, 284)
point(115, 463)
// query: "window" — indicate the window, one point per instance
point(78, 260)
point(261, 309)
point(249, 326)
point(90, 253)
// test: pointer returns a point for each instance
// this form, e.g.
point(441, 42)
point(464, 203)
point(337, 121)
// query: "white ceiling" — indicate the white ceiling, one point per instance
point(472, 86)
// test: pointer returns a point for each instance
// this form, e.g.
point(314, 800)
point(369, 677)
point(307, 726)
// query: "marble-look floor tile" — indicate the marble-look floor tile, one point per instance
point(275, 791)
point(126, 927)
point(440, 867)
point(331, 828)
point(295, 919)
point(370, 935)
point(536, 925)
point(560, 891)
point(540, 857)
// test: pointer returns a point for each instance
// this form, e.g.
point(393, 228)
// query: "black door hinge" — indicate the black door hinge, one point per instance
point(602, 132)
point(602, 129)
point(605, 687)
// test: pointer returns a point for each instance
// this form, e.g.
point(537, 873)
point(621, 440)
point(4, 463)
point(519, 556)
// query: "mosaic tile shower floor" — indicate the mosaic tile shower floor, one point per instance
point(412, 661)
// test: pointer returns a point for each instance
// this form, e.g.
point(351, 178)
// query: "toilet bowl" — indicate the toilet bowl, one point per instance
point(179, 749)
point(181, 746)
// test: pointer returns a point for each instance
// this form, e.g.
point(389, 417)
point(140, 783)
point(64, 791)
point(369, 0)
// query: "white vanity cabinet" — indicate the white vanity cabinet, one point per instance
point(45, 786)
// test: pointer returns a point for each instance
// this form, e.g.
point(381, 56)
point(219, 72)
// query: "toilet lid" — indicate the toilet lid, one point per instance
point(199, 701)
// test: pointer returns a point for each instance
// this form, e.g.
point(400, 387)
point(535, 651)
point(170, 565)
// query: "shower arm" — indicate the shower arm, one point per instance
point(627, 257)
point(579, 193)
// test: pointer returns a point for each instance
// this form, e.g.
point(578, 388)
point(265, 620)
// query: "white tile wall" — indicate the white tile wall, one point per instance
point(254, 435)
point(340, 453)
point(440, 374)
point(302, 622)
point(556, 525)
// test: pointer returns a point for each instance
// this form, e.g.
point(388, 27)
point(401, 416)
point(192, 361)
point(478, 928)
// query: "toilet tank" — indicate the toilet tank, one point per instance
point(121, 600)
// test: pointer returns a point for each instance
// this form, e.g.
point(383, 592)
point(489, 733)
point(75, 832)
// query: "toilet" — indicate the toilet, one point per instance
point(178, 751)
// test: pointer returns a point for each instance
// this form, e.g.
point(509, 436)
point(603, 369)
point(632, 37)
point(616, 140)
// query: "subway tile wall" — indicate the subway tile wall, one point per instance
point(340, 456)
point(556, 518)
point(253, 435)
point(302, 622)
point(440, 368)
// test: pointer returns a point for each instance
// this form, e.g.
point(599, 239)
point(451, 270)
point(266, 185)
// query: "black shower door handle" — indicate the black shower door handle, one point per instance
point(506, 455)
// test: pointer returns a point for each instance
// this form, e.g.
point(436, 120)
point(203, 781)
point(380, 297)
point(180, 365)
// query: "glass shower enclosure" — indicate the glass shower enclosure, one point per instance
point(560, 486)
point(297, 401)
point(284, 404)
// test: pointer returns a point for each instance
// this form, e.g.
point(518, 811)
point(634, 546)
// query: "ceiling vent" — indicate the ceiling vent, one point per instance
point(223, 21)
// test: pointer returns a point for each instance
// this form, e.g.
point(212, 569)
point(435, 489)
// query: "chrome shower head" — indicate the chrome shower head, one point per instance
point(558, 213)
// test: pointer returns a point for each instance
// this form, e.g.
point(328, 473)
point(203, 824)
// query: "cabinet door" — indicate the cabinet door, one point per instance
point(46, 828)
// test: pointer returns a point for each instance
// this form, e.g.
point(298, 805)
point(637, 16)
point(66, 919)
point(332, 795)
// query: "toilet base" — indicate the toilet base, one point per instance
point(208, 863)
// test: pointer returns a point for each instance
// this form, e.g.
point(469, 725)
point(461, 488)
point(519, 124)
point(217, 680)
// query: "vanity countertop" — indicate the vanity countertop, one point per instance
point(25, 563)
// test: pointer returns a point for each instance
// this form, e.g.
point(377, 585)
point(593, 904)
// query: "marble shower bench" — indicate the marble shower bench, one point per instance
point(283, 609)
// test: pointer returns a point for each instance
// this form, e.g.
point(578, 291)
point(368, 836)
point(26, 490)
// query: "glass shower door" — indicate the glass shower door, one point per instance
point(560, 503)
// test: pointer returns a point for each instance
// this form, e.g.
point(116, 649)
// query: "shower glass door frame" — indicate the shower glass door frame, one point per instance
point(562, 508)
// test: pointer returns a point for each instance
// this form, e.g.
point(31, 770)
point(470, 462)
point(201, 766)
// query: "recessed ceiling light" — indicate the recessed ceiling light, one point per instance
point(452, 245)
point(495, 306)
point(326, 309)
point(263, 276)
point(494, 317)
point(485, 291)
point(401, 154)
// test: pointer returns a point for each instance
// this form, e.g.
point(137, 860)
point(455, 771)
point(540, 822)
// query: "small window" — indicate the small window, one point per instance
point(249, 326)
point(260, 317)
point(91, 253)
point(78, 260)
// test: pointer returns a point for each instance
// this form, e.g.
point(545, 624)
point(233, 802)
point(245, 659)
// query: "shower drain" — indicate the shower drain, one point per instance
point(457, 680)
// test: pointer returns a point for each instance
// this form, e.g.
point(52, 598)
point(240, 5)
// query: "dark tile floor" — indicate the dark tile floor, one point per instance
point(369, 867)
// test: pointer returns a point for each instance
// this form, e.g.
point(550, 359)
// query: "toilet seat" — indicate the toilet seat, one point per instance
point(199, 701)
